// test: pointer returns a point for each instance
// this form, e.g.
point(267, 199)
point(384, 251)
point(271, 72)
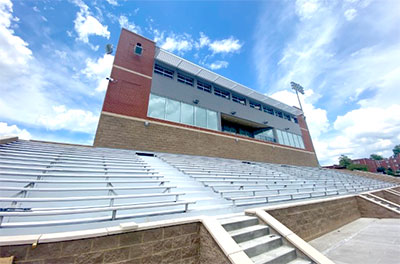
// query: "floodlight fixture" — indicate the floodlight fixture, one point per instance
point(299, 89)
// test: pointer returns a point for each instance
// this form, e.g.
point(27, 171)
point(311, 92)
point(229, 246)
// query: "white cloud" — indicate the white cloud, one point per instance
point(63, 118)
point(350, 14)
point(124, 23)
point(179, 43)
point(13, 130)
point(87, 25)
point(203, 41)
point(305, 9)
point(112, 2)
point(33, 85)
point(218, 65)
point(99, 70)
point(225, 45)
point(317, 119)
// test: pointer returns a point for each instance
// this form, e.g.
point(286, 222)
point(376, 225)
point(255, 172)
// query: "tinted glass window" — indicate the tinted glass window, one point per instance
point(156, 106)
point(201, 117)
point(173, 110)
point(187, 114)
point(212, 120)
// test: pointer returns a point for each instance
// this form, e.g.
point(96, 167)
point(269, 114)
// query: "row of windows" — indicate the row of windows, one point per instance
point(222, 93)
point(289, 139)
point(175, 111)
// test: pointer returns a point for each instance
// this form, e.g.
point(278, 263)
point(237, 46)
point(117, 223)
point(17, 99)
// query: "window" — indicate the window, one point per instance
point(279, 114)
point(212, 120)
point(289, 139)
point(280, 137)
point(265, 134)
point(221, 93)
point(200, 117)
point(295, 120)
point(179, 112)
point(238, 99)
point(268, 110)
point(156, 106)
point(187, 114)
point(255, 105)
point(204, 86)
point(185, 79)
point(286, 116)
point(173, 111)
point(164, 71)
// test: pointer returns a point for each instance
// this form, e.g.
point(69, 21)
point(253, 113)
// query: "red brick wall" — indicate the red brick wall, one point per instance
point(305, 133)
point(129, 93)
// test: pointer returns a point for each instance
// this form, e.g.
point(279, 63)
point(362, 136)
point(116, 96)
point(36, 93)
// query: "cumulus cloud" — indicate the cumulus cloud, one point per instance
point(182, 43)
point(124, 23)
point(204, 41)
point(218, 65)
point(225, 45)
point(317, 119)
point(350, 67)
point(12, 130)
point(306, 8)
point(350, 14)
point(98, 70)
point(112, 2)
point(179, 43)
point(63, 118)
point(33, 85)
point(86, 24)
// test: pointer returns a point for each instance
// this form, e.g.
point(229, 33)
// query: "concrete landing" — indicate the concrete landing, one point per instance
point(366, 241)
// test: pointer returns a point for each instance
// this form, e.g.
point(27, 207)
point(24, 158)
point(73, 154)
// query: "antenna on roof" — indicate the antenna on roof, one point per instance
point(109, 49)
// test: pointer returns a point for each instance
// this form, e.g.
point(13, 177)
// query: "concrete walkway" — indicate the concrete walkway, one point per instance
point(365, 241)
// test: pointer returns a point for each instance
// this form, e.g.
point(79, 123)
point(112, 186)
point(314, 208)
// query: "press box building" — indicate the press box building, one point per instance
point(157, 101)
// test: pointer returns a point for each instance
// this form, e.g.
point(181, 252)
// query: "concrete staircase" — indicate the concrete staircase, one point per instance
point(259, 243)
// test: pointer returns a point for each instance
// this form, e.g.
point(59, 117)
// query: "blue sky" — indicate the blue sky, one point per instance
point(345, 53)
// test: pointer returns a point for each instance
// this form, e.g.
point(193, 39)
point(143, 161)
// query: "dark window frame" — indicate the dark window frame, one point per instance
point(185, 79)
point(222, 93)
point(204, 86)
point(239, 99)
point(164, 71)
point(255, 105)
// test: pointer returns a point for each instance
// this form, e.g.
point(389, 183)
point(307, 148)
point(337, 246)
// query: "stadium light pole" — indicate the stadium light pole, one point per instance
point(299, 89)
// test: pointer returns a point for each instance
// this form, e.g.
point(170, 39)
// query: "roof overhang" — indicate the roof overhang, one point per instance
point(198, 71)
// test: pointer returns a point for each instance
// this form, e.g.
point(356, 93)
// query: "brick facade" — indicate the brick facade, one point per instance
point(183, 244)
point(132, 133)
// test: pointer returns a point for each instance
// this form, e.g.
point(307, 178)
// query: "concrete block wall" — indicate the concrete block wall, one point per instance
point(312, 220)
point(388, 196)
point(187, 243)
point(370, 209)
point(116, 131)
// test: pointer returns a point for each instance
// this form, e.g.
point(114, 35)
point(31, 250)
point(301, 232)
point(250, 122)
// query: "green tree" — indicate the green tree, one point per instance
point(344, 161)
point(381, 169)
point(376, 157)
point(357, 167)
point(396, 150)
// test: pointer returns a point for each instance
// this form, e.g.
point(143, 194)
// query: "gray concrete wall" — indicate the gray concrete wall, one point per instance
point(173, 89)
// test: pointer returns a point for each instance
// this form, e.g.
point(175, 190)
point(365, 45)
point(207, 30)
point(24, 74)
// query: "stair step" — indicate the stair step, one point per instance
point(261, 245)
point(238, 222)
point(247, 233)
point(300, 261)
point(280, 255)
